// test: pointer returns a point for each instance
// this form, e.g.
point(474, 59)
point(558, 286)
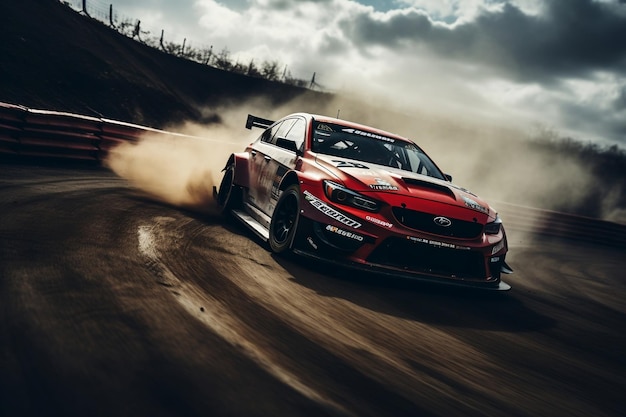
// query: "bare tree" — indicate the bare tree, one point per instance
point(222, 60)
point(207, 55)
point(269, 70)
point(126, 27)
point(252, 70)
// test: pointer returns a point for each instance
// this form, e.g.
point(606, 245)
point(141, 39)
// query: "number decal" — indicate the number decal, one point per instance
point(347, 164)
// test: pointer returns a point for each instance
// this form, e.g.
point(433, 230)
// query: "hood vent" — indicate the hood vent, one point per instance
point(442, 189)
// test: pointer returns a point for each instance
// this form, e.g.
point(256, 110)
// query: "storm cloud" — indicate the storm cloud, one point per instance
point(571, 38)
point(557, 63)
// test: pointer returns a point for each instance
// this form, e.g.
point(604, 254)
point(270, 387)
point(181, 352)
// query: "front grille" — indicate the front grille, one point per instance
point(424, 222)
point(424, 258)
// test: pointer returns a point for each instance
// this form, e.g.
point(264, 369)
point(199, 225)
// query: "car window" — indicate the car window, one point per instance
point(297, 133)
point(341, 141)
point(269, 133)
point(282, 130)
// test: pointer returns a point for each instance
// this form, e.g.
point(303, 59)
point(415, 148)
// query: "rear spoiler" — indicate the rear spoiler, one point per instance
point(254, 121)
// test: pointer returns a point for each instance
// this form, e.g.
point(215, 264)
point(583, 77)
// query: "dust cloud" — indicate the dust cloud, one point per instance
point(181, 168)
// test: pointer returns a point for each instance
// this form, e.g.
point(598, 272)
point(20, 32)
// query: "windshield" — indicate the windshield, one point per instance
point(338, 140)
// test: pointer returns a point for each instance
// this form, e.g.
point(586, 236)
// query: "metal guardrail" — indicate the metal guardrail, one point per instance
point(562, 225)
point(35, 133)
point(26, 132)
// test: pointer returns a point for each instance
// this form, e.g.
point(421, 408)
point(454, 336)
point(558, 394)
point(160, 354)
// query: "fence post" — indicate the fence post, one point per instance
point(111, 17)
point(137, 29)
point(161, 40)
point(209, 55)
point(85, 7)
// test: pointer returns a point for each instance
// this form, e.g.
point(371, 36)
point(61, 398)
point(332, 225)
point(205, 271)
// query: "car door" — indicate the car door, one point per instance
point(288, 143)
point(288, 149)
point(272, 168)
point(259, 156)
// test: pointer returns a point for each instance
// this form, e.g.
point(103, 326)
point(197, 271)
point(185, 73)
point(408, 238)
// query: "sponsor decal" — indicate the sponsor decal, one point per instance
point(329, 211)
point(348, 164)
point(442, 221)
point(382, 185)
point(497, 248)
point(494, 260)
point(474, 205)
point(311, 242)
point(324, 128)
point(369, 135)
point(436, 243)
point(344, 233)
point(379, 221)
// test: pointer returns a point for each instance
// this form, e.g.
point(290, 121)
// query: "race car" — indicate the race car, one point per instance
point(362, 198)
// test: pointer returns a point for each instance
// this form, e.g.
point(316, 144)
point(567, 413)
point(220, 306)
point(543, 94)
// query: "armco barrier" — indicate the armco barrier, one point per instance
point(50, 134)
point(11, 122)
point(562, 225)
point(34, 133)
point(62, 135)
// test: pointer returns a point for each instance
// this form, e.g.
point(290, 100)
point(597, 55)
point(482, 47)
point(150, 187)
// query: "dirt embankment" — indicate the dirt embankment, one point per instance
point(52, 57)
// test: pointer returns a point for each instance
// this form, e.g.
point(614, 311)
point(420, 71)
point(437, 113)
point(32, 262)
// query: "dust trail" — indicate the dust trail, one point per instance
point(180, 169)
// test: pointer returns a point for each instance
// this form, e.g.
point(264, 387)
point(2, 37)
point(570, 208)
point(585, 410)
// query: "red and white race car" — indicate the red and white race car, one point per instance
point(364, 198)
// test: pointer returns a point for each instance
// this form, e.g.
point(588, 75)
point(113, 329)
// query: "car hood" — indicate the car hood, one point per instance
point(368, 178)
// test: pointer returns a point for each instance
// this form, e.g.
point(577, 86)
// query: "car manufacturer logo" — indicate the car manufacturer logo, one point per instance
point(442, 221)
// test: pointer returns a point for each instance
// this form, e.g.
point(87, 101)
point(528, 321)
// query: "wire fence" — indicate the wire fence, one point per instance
point(133, 28)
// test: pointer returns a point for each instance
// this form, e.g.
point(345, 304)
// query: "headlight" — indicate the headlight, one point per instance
point(494, 227)
point(342, 195)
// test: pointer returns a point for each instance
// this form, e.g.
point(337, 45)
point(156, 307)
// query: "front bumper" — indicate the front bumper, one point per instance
point(400, 257)
point(390, 272)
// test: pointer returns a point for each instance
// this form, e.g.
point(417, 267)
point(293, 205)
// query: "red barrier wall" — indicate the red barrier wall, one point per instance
point(50, 134)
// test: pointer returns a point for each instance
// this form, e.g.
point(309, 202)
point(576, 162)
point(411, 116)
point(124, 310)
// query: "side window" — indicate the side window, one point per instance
point(269, 133)
point(282, 130)
point(297, 133)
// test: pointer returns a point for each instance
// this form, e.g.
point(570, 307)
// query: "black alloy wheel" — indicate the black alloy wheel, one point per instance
point(285, 220)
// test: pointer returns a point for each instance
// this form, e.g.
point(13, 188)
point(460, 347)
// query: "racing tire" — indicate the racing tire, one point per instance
point(285, 219)
point(228, 195)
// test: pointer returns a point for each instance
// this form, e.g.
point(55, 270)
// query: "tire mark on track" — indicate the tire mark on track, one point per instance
point(217, 316)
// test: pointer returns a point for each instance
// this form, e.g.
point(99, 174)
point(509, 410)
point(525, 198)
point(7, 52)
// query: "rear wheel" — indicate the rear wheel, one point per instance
point(284, 221)
point(228, 194)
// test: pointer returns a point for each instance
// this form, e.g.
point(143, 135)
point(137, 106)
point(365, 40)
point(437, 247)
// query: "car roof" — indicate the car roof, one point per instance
point(351, 125)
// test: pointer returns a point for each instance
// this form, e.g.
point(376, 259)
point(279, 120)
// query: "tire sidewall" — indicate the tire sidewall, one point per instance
point(226, 195)
point(291, 192)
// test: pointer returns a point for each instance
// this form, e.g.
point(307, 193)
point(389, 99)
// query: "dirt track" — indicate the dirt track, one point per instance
point(115, 305)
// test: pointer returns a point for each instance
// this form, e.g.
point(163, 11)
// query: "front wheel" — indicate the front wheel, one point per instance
point(285, 220)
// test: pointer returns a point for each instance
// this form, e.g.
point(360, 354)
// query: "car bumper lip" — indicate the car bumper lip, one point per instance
point(390, 272)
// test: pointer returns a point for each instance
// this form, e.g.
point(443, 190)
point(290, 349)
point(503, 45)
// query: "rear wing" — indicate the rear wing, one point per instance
point(254, 121)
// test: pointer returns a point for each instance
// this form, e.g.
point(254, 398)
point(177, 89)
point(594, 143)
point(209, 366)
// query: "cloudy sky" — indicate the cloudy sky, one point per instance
point(560, 64)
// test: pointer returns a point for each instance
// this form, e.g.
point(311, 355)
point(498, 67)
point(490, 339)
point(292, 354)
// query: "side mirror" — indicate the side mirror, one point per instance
point(448, 177)
point(288, 144)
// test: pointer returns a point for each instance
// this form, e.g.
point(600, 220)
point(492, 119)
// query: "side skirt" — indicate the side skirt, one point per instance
point(252, 224)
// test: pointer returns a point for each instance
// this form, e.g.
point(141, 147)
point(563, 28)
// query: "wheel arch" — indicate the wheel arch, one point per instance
point(240, 160)
point(289, 179)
